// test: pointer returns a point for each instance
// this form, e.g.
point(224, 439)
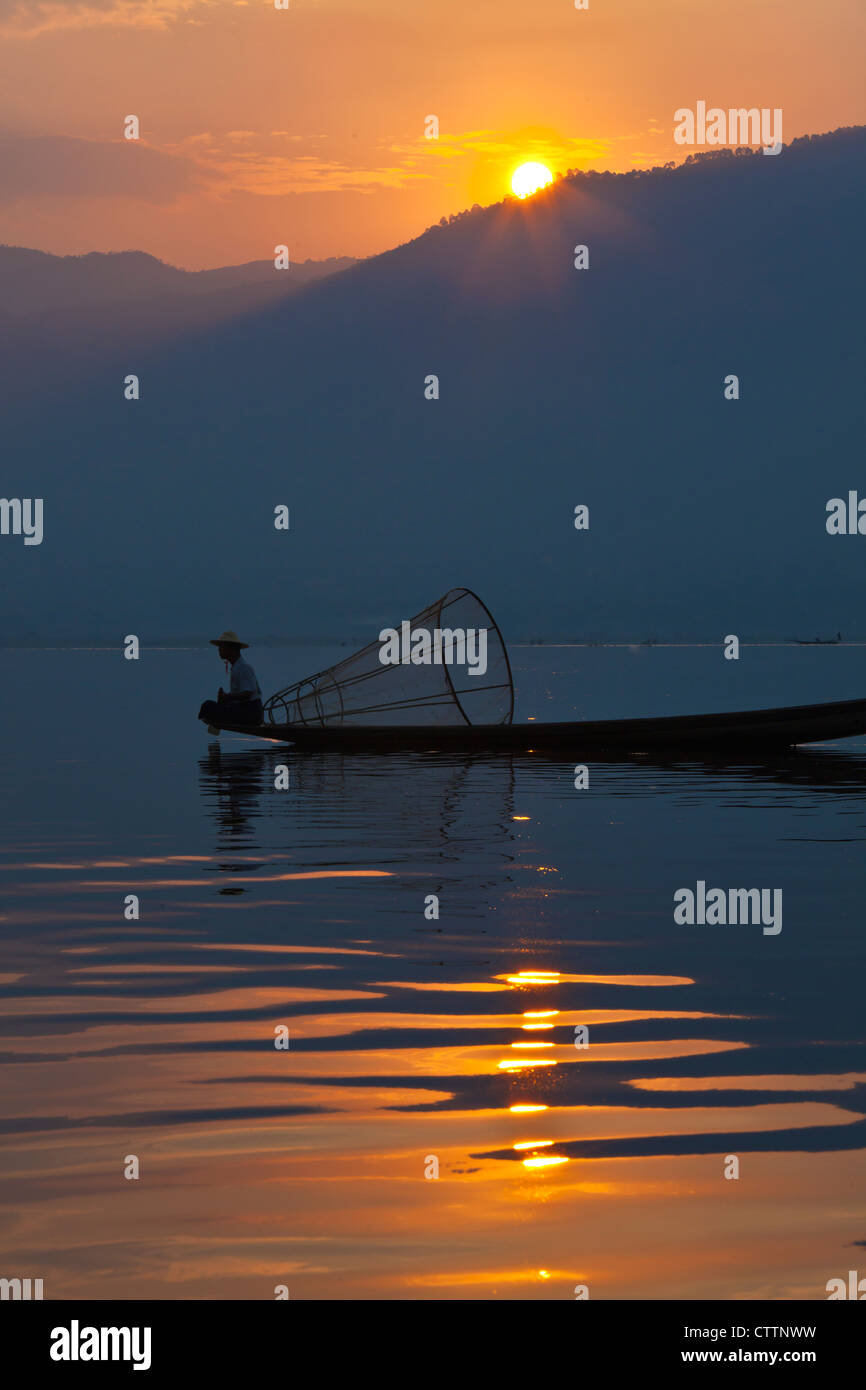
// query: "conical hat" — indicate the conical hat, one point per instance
point(230, 639)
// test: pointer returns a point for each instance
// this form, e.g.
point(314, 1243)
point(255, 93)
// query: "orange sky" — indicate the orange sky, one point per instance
point(306, 126)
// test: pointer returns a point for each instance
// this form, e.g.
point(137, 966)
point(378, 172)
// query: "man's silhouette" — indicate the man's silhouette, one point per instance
point(242, 704)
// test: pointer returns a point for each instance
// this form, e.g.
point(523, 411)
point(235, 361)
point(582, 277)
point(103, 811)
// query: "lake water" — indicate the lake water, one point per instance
point(416, 1042)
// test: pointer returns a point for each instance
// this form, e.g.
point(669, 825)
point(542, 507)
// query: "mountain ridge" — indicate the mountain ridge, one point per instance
point(558, 387)
point(62, 281)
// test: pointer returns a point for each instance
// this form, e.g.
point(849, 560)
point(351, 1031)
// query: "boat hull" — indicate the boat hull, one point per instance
point(754, 730)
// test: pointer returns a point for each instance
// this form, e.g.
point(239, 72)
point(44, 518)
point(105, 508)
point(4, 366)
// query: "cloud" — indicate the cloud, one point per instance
point(530, 142)
point(266, 164)
point(28, 19)
point(261, 164)
point(235, 164)
point(228, 163)
point(274, 176)
point(58, 166)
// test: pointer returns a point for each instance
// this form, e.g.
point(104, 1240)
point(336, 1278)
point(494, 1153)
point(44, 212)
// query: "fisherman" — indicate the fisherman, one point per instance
point(242, 704)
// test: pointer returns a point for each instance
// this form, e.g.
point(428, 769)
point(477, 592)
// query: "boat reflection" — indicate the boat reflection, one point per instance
point(453, 815)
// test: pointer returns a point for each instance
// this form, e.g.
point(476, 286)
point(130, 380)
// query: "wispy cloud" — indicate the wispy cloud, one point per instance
point(245, 162)
point(268, 163)
point(26, 19)
point(276, 176)
point(249, 162)
point(529, 142)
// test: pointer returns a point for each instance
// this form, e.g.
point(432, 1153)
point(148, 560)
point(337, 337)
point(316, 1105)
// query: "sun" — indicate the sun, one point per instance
point(529, 178)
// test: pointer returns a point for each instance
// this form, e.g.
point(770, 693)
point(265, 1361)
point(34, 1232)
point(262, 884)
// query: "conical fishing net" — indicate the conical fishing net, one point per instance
point(447, 665)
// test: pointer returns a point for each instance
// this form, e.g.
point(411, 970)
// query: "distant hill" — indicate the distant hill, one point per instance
point(35, 282)
point(68, 315)
point(558, 387)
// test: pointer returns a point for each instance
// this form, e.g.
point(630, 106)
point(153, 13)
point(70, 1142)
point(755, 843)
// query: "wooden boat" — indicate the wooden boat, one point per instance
point(361, 703)
point(748, 731)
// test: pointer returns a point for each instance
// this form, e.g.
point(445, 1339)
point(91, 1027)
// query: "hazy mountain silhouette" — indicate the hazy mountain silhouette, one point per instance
point(70, 315)
point(557, 387)
point(35, 282)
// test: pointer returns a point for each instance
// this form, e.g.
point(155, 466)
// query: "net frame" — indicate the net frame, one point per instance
point(291, 705)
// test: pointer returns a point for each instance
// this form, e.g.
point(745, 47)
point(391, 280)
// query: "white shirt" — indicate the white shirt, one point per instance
point(244, 679)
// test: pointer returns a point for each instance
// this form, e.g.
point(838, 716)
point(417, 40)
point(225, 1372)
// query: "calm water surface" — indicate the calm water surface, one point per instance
point(413, 1039)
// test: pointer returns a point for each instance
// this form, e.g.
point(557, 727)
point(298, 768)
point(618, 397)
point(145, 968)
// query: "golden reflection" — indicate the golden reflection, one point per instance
point(540, 1013)
point(265, 947)
point(526, 1109)
point(534, 1144)
point(545, 1161)
point(526, 1062)
point(638, 981)
point(844, 1082)
point(116, 863)
point(259, 878)
point(445, 986)
point(532, 1044)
